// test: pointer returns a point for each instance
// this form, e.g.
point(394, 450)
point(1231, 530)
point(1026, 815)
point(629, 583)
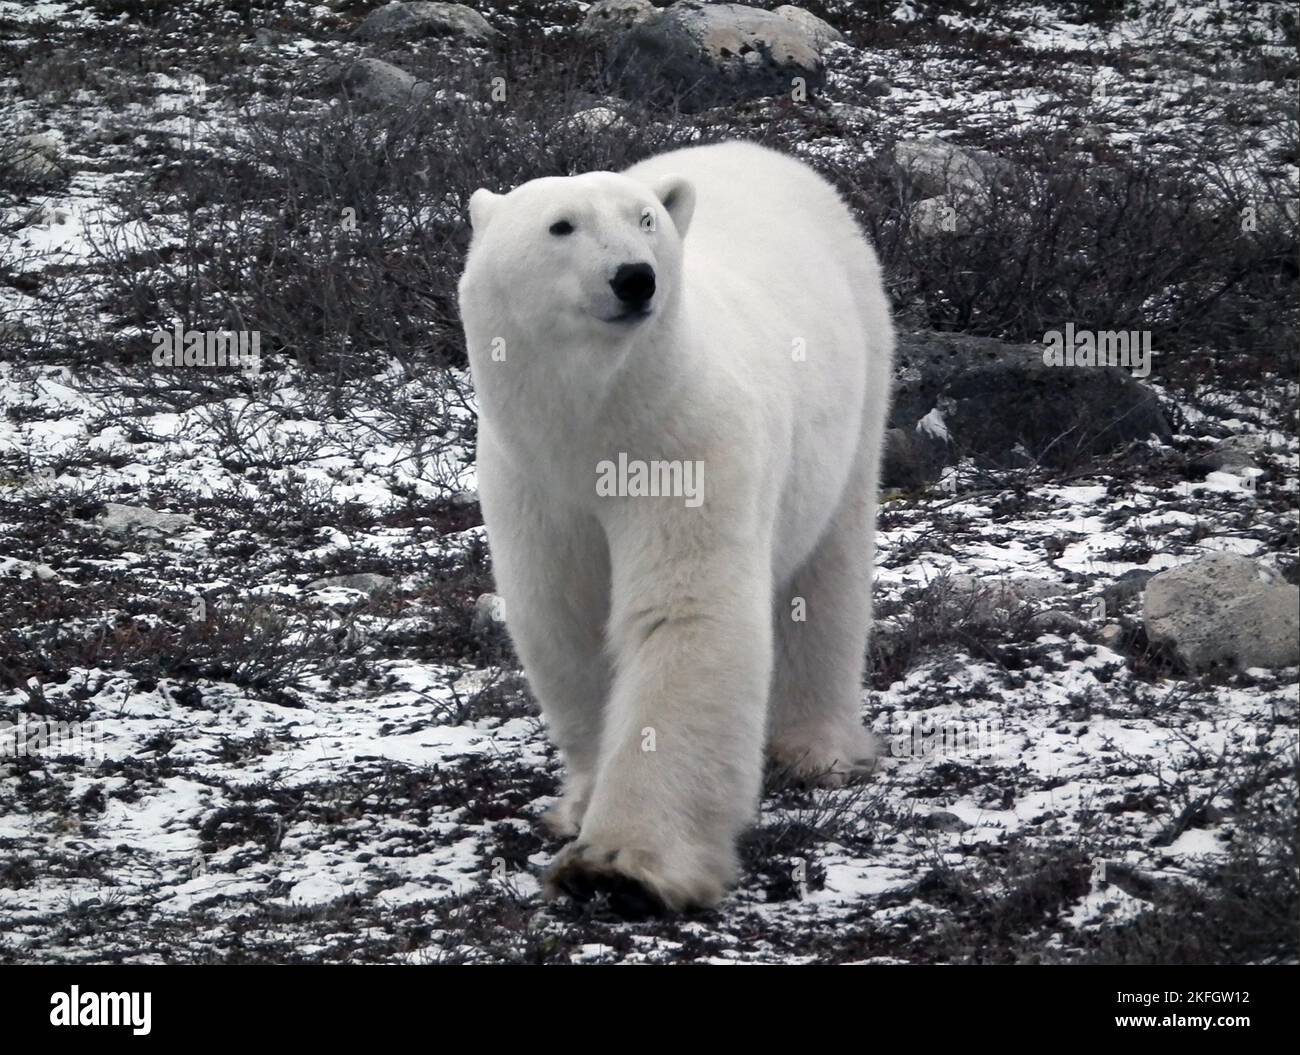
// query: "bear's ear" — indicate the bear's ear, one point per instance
point(678, 197)
point(482, 203)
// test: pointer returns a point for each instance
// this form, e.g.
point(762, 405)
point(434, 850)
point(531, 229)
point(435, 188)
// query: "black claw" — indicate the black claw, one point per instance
point(577, 884)
point(631, 899)
point(627, 897)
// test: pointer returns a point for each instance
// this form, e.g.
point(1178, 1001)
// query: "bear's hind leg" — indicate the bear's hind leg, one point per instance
point(814, 726)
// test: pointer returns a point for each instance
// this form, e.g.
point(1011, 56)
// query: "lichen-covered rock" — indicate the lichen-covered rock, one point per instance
point(614, 16)
point(1001, 405)
point(994, 598)
point(365, 582)
point(416, 19)
point(489, 613)
point(36, 158)
point(118, 519)
point(937, 168)
point(1218, 611)
point(379, 83)
point(702, 55)
point(934, 217)
point(819, 31)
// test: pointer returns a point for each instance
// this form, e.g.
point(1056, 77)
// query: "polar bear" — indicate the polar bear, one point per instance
point(683, 375)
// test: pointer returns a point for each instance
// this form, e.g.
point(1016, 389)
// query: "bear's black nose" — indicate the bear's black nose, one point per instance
point(634, 283)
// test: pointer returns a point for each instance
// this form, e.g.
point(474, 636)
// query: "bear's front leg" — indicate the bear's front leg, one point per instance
point(551, 568)
point(681, 757)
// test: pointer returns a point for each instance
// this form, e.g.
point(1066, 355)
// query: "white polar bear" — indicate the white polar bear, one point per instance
point(713, 321)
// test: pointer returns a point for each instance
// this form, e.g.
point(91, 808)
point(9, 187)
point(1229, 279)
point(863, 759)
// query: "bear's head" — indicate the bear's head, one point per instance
point(590, 257)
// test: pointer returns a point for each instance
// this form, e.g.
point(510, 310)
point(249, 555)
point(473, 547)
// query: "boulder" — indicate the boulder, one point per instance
point(615, 16)
point(700, 55)
point(489, 613)
point(593, 119)
point(1057, 621)
point(1218, 611)
point(378, 83)
point(1230, 455)
point(418, 19)
point(1122, 591)
point(932, 217)
point(36, 159)
point(944, 821)
point(364, 582)
point(990, 600)
point(1001, 405)
point(118, 519)
point(915, 455)
point(936, 167)
point(818, 30)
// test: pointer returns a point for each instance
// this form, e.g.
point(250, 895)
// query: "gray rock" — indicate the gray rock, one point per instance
point(120, 519)
point(933, 217)
point(1004, 407)
point(944, 821)
point(914, 457)
point(992, 599)
point(269, 38)
point(1111, 635)
point(818, 30)
point(877, 88)
point(1230, 455)
point(23, 569)
point(44, 143)
point(489, 612)
point(1216, 611)
point(615, 16)
point(36, 158)
point(1278, 213)
point(850, 116)
point(15, 334)
point(418, 19)
point(380, 83)
point(955, 184)
point(1056, 621)
point(888, 634)
point(1129, 585)
point(1135, 883)
point(1034, 588)
point(698, 55)
point(365, 582)
point(593, 119)
point(1246, 442)
point(936, 167)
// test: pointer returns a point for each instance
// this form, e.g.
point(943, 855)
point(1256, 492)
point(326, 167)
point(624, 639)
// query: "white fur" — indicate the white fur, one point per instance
point(637, 614)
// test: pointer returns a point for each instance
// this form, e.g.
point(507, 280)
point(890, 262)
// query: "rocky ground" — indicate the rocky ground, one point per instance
point(247, 643)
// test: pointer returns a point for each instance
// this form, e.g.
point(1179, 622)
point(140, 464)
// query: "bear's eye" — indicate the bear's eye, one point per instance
point(561, 227)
